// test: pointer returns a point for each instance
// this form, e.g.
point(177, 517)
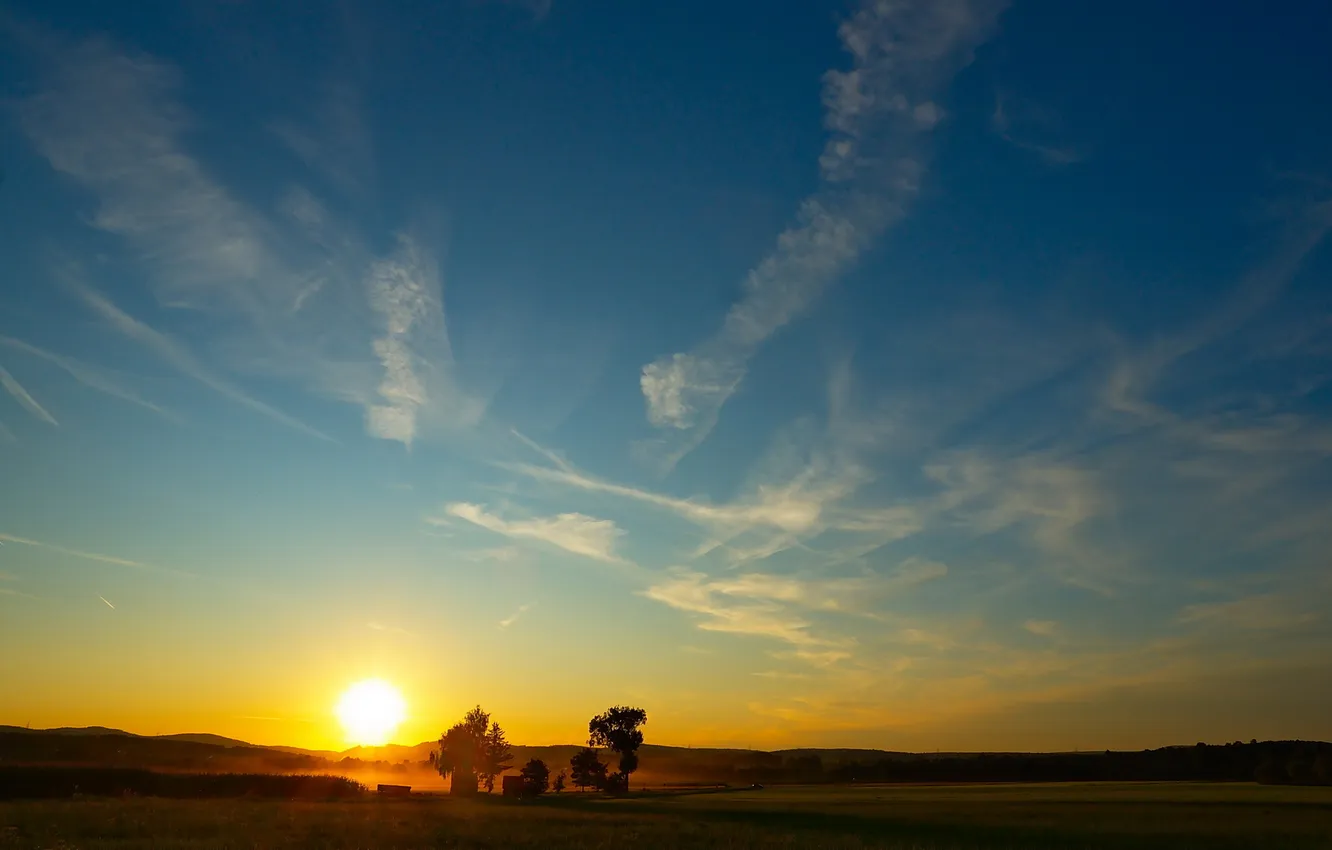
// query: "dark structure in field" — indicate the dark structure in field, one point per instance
point(512, 786)
point(394, 790)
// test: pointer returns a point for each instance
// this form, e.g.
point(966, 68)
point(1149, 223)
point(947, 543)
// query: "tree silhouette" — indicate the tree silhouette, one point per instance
point(496, 756)
point(617, 729)
point(1323, 767)
point(473, 751)
point(557, 784)
point(536, 777)
point(586, 770)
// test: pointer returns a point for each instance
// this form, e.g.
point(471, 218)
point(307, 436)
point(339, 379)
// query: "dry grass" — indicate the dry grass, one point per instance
point(1055, 816)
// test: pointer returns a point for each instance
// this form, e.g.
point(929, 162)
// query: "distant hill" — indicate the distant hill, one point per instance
point(204, 738)
point(115, 748)
point(1298, 762)
point(69, 730)
point(84, 731)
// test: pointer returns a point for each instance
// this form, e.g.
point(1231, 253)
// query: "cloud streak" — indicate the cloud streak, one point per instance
point(1002, 120)
point(513, 618)
point(179, 358)
point(336, 142)
point(25, 400)
point(1135, 376)
point(572, 532)
point(376, 626)
point(879, 114)
point(90, 556)
point(88, 376)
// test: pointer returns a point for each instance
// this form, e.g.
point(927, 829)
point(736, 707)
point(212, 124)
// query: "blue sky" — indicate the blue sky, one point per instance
point(913, 375)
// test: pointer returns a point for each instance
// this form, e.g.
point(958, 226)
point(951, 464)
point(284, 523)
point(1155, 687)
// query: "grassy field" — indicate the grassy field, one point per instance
point(1111, 815)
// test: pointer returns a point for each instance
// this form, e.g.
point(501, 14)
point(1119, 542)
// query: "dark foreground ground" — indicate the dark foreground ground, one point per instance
point(1109, 815)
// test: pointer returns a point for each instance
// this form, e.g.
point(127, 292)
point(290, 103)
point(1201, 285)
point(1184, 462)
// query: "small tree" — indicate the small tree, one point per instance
point(586, 770)
point(496, 756)
point(557, 785)
point(617, 729)
point(536, 777)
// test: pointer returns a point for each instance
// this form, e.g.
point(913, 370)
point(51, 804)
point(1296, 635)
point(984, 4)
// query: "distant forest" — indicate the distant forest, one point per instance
point(1271, 762)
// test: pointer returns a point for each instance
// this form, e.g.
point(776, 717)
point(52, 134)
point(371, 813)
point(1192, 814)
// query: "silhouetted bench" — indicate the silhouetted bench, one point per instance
point(395, 790)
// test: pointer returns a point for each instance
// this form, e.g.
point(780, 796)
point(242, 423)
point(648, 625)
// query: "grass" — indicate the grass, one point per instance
point(1102, 815)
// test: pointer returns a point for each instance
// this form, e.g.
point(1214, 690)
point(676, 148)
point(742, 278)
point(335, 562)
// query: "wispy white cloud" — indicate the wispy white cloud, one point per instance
point(513, 618)
point(1004, 119)
point(782, 509)
point(803, 487)
point(1259, 613)
point(782, 607)
point(801, 497)
point(15, 389)
point(335, 140)
point(1043, 628)
point(80, 553)
point(572, 532)
point(180, 358)
point(693, 592)
point(1135, 375)
point(88, 375)
point(405, 290)
point(493, 555)
point(879, 113)
point(376, 626)
point(110, 120)
point(292, 289)
point(1055, 501)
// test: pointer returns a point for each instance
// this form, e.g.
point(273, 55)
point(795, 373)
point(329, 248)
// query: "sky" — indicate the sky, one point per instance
point(916, 375)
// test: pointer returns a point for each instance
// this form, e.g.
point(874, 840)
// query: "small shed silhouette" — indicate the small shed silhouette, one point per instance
point(395, 790)
point(512, 786)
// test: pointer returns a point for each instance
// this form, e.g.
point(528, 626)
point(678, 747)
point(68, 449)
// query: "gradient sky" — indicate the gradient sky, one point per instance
point(909, 374)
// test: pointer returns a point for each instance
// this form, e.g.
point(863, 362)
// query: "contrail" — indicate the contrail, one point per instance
point(108, 604)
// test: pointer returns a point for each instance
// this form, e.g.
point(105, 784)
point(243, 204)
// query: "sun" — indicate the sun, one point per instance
point(370, 712)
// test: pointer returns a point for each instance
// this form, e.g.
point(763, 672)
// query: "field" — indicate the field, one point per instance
point(1100, 815)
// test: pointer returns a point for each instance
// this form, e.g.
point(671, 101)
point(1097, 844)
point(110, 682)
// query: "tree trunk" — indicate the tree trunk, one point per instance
point(462, 783)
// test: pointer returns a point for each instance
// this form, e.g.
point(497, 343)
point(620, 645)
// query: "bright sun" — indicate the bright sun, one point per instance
point(370, 712)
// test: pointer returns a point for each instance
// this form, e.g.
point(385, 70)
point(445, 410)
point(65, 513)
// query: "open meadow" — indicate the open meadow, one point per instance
point(1094, 815)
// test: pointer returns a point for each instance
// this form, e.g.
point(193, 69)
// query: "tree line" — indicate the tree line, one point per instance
point(1268, 762)
point(474, 751)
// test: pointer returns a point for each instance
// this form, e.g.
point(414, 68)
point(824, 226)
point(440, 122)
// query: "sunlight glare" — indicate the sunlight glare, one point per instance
point(370, 712)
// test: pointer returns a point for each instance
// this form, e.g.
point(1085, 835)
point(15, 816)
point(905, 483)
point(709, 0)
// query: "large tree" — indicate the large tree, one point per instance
point(473, 752)
point(586, 770)
point(617, 729)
